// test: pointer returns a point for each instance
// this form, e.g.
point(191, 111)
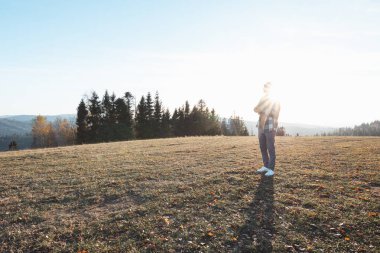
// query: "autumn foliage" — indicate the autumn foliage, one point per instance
point(47, 134)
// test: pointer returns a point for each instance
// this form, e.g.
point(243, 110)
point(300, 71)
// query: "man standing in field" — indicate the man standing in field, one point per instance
point(269, 111)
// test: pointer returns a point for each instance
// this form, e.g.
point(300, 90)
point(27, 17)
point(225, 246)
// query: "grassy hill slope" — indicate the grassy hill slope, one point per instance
point(192, 194)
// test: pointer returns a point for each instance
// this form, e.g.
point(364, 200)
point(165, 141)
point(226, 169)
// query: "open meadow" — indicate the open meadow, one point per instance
point(193, 195)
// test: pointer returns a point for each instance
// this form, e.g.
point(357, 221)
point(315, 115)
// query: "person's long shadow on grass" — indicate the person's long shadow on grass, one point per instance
point(256, 234)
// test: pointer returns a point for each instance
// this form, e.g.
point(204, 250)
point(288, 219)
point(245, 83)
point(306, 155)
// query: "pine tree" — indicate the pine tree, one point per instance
point(157, 116)
point(214, 127)
point(112, 113)
point(141, 119)
point(95, 118)
point(179, 122)
point(198, 119)
point(108, 128)
point(237, 127)
point(129, 117)
point(187, 120)
point(149, 129)
point(129, 98)
point(81, 122)
point(224, 128)
point(106, 106)
point(123, 127)
point(120, 112)
point(166, 130)
point(106, 123)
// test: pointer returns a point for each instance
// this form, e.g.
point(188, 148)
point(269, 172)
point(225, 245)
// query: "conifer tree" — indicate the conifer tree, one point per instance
point(142, 119)
point(166, 130)
point(128, 99)
point(149, 128)
point(95, 118)
point(81, 122)
point(157, 116)
point(106, 106)
point(123, 126)
point(187, 120)
point(224, 128)
point(112, 113)
point(128, 118)
point(106, 122)
point(214, 124)
point(179, 122)
point(237, 127)
point(149, 106)
point(174, 121)
point(196, 121)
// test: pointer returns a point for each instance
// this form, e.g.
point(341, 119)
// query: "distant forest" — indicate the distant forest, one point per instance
point(365, 129)
point(123, 118)
point(110, 119)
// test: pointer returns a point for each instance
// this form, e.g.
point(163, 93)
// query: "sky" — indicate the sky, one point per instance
point(322, 57)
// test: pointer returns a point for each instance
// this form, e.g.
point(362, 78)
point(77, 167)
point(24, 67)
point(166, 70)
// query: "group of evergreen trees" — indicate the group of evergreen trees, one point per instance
point(195, 122)
point(109, 119)
point(234, 126)
point(116, 119)
point(365, 129)
point(151, 120)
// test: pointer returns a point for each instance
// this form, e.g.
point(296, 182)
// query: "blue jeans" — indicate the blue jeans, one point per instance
point(268, 151)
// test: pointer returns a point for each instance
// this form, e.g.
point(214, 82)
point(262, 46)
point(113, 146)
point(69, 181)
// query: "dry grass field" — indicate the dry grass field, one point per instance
point(192, 195)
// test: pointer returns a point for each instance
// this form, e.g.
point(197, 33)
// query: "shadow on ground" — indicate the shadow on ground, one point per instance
point(257, 233)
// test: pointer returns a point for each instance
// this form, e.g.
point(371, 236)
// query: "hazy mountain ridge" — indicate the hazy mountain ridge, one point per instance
point(12, 127)
point(50, 118)
point(22, 124)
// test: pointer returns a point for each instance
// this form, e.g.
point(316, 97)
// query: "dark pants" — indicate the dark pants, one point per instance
point(268, 151)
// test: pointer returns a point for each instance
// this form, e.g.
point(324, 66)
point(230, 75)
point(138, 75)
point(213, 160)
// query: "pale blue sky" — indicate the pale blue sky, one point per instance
point(322, 56)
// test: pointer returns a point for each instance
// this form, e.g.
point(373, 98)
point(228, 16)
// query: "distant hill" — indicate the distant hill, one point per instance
point(29, 118)
point(22, 124)
point(12, 127)
point(293, 128)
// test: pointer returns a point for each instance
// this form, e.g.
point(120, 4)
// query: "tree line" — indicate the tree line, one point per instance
point(365, 129)
point(112, 118)
point(117, 119)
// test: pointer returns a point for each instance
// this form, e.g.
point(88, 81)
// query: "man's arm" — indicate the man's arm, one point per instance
point(262, 105)
point(262, 120)
point(276, 113)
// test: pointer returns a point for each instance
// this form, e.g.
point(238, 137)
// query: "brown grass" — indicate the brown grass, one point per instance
point(192, 195)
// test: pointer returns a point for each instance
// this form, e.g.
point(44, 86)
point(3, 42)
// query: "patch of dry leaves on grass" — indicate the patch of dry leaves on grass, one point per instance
point(192, 195)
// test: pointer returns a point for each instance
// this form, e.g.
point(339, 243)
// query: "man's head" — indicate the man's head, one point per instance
point(267, 87)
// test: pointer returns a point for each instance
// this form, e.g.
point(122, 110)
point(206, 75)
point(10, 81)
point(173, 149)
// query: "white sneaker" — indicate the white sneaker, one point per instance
point(269, 173)
point(262, 169)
